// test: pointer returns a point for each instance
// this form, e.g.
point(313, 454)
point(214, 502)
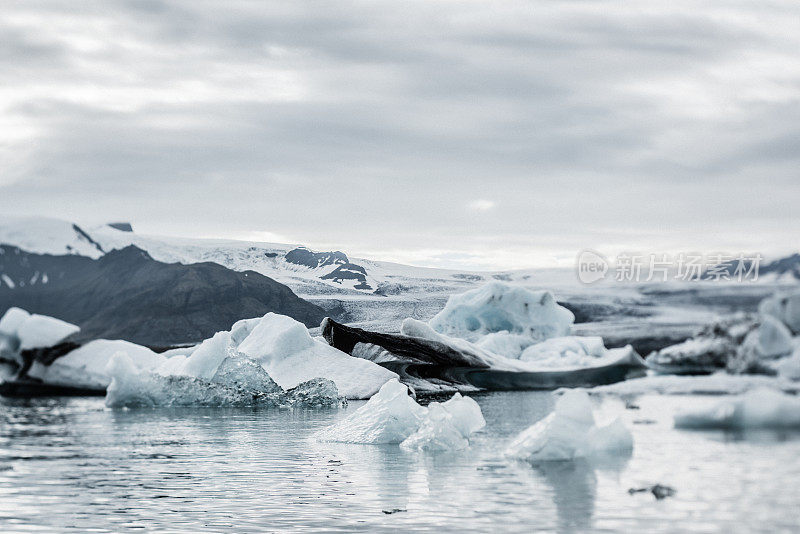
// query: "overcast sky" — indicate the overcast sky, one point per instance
point(444, 133)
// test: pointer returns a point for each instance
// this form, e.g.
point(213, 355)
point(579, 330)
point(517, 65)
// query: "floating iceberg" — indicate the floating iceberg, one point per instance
point(720, 383)
point(505, 343)
point(85, 367)
point(291, 356)
point(33, 331)
point(568, 351)
point(392, 416)
point(785, 307)
point(207, 357)
point(498, 307)
point(245, 374)
point(569, 433)
point(437, 432)
point(431, 361)
point(760, 408)
point(132, 387)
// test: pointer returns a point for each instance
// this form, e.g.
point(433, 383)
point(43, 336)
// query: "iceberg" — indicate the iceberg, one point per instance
point(437, 432)
point(291, 356)
point(568, 351)
point(33, 331)
point(760, 408)
point(389, 416)
point(85, 367)
point(785, 307)
point(132, 387)
point(500, 306)
point(245, 374)
point(505, 343)
point(392, 416)
point(569, 433)
point(207, 357)
point(434, 362)
point(446, 426)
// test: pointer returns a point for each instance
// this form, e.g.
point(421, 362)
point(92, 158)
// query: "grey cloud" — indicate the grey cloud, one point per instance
point(373, 127)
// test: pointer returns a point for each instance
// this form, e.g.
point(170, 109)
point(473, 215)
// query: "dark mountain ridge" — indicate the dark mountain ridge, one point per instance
point(126, 294)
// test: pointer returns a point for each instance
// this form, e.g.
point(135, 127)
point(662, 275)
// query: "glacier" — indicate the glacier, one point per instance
point(570, 432)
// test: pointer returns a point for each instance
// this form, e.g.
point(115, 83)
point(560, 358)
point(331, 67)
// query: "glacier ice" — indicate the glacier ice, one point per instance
point(466, 414)
point(133, 387)
point(446, 426)
point(785, 307)
point(499, 306)
point(389, 416)
point(290, 355)
point(437, 432)
point(759, 408)
point(789, 367)
point(566, 351)
point(244, 374)
point(570, 432)
point(33, 331)
point(206, 358)
point(392, 416)
point(86, 366)
point(505, 343)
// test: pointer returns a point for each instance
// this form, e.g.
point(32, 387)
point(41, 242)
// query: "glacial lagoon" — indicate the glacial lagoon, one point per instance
point(74, 465)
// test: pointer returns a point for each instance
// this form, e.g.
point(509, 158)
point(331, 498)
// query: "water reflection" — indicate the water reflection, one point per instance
point(256, 470)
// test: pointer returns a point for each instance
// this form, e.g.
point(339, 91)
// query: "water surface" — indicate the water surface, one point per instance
point(72, 465)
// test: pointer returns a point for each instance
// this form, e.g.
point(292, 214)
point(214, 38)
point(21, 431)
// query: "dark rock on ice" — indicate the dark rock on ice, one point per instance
point(121, 226)
point(658, 491)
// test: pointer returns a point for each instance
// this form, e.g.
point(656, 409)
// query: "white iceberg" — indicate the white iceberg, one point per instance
point(785, 307)
point(760, 408)
point(720, 383)
point(290, 355)
point(498, 307)
point(505, 343)
point(569, 433)
point(567, 351)
point(789, 367)
point(85, 367)
point(206, 358)
point(237, 384)
point(437, 432)
point(389, 416)
point(34, 331)
point(392, 416)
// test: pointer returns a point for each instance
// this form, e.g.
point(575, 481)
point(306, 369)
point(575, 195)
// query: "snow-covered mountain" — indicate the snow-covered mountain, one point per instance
point(308, 273)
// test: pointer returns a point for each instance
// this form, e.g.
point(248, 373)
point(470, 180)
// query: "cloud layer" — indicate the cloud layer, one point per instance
point(468, 134)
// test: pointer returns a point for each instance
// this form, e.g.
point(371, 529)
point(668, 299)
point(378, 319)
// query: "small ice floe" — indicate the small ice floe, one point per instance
point(236, 383)
point(720, 383)
point(392, 416)
point(570, 432)
point(760, 408)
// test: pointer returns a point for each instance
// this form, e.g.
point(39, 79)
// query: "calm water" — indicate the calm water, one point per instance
point(72, 465)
